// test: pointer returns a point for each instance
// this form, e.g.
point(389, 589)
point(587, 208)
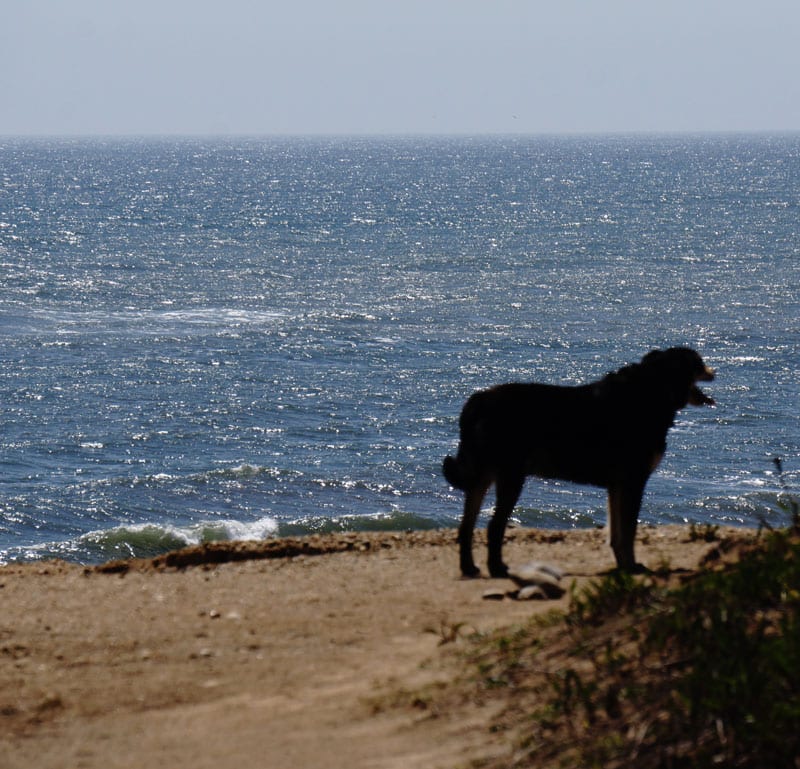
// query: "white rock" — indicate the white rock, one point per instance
point(541, 575)
point(531, 593)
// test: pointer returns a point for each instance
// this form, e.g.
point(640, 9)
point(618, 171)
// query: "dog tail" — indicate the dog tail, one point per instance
point(454, 473)
point(463, 470)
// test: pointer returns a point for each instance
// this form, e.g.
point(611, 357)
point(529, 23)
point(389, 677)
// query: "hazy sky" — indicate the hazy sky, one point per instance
point(416, 66)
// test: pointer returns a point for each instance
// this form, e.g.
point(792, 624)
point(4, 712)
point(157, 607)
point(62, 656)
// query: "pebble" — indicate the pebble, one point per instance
point(537, 580)
point(531, 593)
point(534, 572)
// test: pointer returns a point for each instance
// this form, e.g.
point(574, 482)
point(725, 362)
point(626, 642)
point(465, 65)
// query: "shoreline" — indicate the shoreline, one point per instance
point(293, 652)
point(232, 551)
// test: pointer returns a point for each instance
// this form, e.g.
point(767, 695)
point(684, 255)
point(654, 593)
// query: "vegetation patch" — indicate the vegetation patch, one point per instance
point(702, 673)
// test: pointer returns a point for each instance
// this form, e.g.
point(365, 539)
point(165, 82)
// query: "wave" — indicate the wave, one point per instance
point(148, 540)
point(246, 470)
point(395, 521)
point(241, 471)
point(142, 541)
point(145, 321)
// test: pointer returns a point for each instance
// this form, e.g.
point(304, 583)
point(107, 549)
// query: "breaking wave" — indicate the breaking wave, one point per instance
point(142, 540)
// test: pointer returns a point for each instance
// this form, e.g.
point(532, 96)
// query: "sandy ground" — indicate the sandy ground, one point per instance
point(291, 654)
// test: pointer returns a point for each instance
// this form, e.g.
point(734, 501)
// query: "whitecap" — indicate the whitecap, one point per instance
point(149, 539)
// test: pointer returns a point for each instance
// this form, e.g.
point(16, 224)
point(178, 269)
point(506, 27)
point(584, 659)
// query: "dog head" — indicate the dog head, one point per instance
point(680, 369)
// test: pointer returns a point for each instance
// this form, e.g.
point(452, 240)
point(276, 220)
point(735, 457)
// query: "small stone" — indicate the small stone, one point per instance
point(494, 595)
point(535, 572)
point(540, 575)
point(531, 593)
point(51, 701)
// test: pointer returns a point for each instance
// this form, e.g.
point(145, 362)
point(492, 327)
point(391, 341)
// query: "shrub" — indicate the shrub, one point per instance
point(706, 674)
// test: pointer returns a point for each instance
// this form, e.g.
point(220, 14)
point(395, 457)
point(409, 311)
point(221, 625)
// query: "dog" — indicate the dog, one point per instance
point(610, 433)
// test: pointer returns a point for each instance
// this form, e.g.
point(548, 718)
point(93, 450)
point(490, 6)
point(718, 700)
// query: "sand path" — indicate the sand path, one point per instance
point(289, 661)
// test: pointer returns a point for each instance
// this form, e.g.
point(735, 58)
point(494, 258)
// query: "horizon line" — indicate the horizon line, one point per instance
point(402, 134)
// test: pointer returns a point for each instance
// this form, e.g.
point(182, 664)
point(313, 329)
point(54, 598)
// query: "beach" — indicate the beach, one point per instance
point(285, 653)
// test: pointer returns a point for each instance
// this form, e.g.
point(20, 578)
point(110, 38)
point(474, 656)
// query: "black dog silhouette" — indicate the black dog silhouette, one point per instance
point(610, 433)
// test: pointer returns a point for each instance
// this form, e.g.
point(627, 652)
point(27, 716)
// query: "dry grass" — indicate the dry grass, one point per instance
point(700, 671)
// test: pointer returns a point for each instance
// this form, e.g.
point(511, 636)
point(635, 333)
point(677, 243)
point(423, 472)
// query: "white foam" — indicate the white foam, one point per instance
point(157, 320)
point(150, 538)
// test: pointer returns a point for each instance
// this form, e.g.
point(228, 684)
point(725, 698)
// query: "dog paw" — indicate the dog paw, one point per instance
point(635, 568)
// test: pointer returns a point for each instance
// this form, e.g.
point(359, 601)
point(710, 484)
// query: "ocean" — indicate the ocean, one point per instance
point(223, 338)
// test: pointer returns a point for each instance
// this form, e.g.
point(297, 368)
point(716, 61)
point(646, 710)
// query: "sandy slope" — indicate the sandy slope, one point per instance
point(271, 660)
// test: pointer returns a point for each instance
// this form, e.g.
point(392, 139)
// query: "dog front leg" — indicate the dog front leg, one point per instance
point(508, 491)
point(473, 499)
point(624, 502)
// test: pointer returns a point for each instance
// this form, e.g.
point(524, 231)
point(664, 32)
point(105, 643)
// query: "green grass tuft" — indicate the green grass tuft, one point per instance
point(706, 674)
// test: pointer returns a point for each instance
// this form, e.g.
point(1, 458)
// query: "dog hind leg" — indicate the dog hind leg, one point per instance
point(509, 488)
point(473, 499)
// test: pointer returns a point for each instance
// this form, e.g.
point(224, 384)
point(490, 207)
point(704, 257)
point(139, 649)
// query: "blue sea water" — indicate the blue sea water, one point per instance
point(237, 338)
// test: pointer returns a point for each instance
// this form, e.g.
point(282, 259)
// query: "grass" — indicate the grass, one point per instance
point(669, 670)
point(730, 643)
point(703, 674)
point(661, 671)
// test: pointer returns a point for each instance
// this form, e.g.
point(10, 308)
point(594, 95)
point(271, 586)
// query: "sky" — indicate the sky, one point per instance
point(257, 67)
